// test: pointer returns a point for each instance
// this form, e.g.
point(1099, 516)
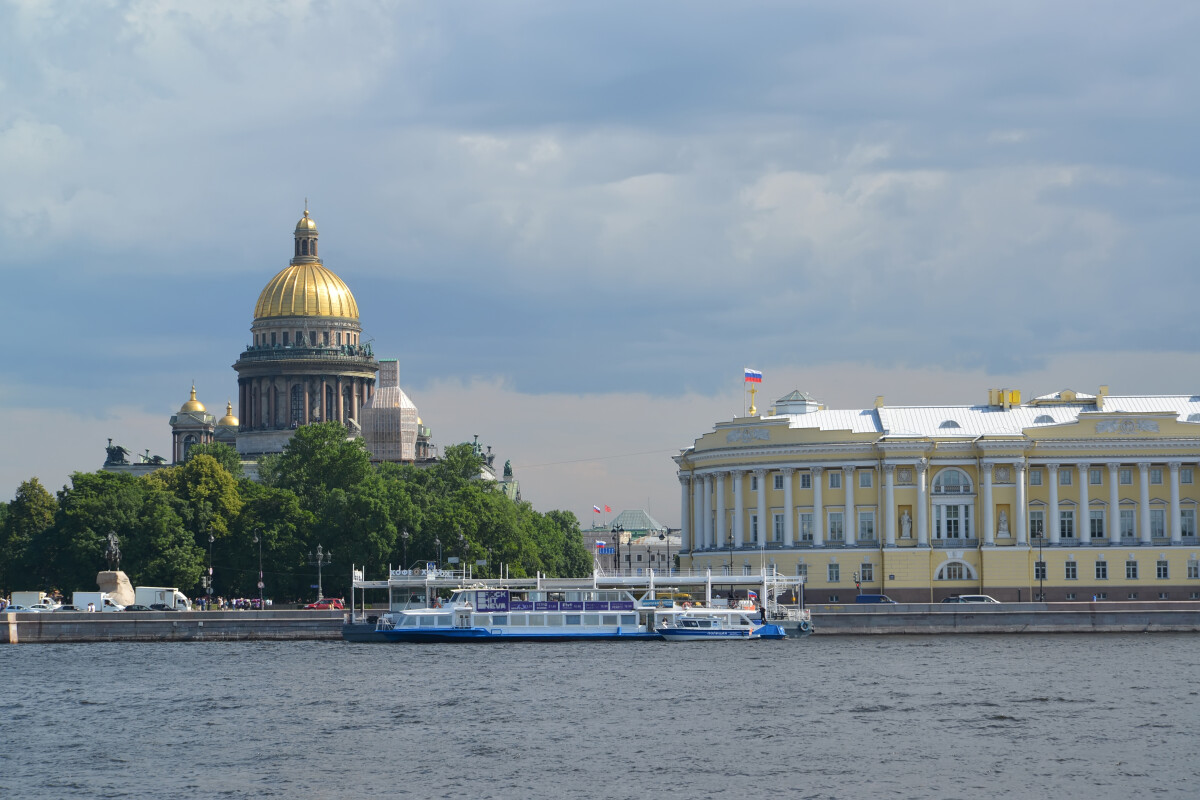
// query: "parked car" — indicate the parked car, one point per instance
point(874, 598)
point(69, 608)
point(970, 598)
point(43, 607)
point(163, 607)
point(18, 609)
point(136, 607)
point(327, 603)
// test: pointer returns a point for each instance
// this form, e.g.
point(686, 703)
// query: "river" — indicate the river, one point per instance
point(1071, 716)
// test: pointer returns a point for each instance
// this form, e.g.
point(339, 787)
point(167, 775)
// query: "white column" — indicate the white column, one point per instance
point(761, 474)
point(698, 542)
point(685, 507)
point(1144, 481)
point(1176, 524)
point(818, 474)
point(709, 539)
point(1083, 522)
point(889, 500)
point(721, 521)
point(851, 515)
point(739, 508)
point(1052, 469)
point(789, 510)
point(922, 504)
point(989, 529)
point(1021, 511)
point(1114, 504)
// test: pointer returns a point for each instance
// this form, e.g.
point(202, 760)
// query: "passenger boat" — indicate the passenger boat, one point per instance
point(706, 624)
point(523, 615)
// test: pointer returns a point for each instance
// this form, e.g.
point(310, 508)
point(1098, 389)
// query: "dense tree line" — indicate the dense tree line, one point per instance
point(321, 490)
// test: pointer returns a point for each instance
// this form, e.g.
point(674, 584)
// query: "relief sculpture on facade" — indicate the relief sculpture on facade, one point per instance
point(1127, 426)
point(745, 435)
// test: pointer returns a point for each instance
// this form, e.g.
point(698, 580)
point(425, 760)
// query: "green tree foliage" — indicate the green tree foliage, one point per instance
point(29, 514)
point(225, 455)
point(318, 459)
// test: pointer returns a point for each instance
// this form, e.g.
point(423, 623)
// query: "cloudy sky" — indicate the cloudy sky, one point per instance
point(575, 223)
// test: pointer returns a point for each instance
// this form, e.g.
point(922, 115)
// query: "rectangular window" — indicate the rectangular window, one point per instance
point(1164, 570)
point(802, 571)
point(1035, 477)
point(1158, 523)
point(806, 526)
point(866, 526)
point(1037, 524)
point(1131, 570)
point(867, 573)
point(273, 339)
point(805, 480)
point(1194, 569)
point(1185, 475)
point(754, 527)
point(835, 573)
point(1125, 477)
point(835, 479)
point(1066, 524)
point(837, 531)
point(1096, 524)
point(1101, 570)
point(864, 479)
point(1039, 570)
point(1064, 477)
point(1187, 521)
point(778, 525)
point(1128, 524)
point(312, 338)
point(754, 483)
point(325, 338)
point(285, 338)
point(1094, 477)
point(1156, 476)
point(778, 482)
point(339, 338)
point(1071, 571)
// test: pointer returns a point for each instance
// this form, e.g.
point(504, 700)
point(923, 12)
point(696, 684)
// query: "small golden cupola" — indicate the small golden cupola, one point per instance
point(229, 420)
point(193, 405)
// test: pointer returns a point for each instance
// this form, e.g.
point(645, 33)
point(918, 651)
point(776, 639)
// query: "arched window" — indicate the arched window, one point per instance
point(952, 505)
point(955, 571)
point(1042, 419)
point(952, 481)
point(949, 424)
point(188, 441)
point(297, 404)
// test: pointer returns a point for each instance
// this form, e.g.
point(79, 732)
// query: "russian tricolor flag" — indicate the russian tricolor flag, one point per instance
point(596, 509)
point(601, 543)
point(753, 376)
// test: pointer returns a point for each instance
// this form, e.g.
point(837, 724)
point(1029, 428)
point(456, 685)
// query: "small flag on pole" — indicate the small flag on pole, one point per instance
point(753, 376)
point(607, 509)
point(596, 509)
point(601, 543)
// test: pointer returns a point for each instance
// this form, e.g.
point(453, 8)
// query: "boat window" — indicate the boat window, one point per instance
point(500, 619)
point(408, 621)
point(555, 620)
point(629, 619)
point(443, 620)
point(427, 621)
point(591, 619)
point(517, 620)
point(483, 619)
point(537, 619)
point(572, 619)
point(608, 619)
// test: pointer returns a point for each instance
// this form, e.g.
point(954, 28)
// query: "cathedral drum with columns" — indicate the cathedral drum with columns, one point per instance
point(1071, 496)
point(305, 362)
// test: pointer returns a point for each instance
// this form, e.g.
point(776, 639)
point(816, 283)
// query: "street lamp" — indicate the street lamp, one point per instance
point(258, 541)
point(462, 552)
point(438, 541)
point(404, 537)
point(323, 559)
point(211, 539)
point(1041, 569)
point(666, 536)
point(617, 530)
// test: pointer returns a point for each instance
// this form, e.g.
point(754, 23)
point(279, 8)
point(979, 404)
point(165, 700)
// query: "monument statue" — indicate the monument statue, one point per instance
point(116, 454)
point(508, 470)
point(113, 553)
point(905, 525)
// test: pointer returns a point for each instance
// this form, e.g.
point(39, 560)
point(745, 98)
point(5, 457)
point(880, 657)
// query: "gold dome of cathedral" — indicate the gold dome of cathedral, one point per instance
point(306, 288)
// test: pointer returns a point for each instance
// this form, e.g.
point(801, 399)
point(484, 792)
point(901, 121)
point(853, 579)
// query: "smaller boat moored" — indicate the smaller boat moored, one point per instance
point(705, 624)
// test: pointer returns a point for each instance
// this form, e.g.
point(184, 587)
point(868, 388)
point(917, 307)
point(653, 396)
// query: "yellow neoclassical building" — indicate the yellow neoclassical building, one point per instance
point(1070, 494)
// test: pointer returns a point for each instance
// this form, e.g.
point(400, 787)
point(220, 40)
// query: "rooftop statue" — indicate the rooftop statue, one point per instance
point(116, 454)
point(508, 470)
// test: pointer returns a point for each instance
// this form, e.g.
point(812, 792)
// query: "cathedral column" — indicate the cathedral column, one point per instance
point(685, 506)
point(1144, 486)
point(789, 510)
point(354, 389)
point(304, 387)
point(721, 521)
point(324, 404)
point(698, 542)
point(739, 507)
point(761, 475)
point(1052, 512)
point(851, 514)
point(1083, 525)
point(989, 528)
point(1176, 523)
point(818, 509)
point(708, 512)
point(922, 503)
point(1021, 511)
point(1114, 504)
point(889, 500)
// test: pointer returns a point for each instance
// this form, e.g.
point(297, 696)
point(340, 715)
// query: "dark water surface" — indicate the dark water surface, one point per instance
point(1082, 716)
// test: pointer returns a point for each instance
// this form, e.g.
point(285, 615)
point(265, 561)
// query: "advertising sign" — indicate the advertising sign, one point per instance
point(491, 600)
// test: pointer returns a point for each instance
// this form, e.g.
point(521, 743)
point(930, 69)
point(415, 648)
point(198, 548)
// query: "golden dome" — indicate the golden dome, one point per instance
point(306, 290)
point(306, 223)
point(229, 419)
point(193, 404)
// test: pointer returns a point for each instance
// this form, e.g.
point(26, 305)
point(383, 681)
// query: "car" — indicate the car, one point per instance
point(18, 609)
point(162, 607)
point(874, 598)
point(136, 607)
point(68, 608)
point(970, 598)
point(43, 607)
point(327, 603)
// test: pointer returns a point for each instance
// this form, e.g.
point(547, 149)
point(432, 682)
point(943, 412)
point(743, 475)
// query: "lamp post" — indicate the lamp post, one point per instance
point(258, 541)
point(438, 541)
point(323, 559)
point(462, 552)
point(404, 538)
point(209, 592)
point(1041, 569)
point(666, 536)
point(617, 530)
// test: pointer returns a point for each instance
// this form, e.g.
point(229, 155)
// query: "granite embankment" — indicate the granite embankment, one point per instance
point(159, 626)
point(925, 618)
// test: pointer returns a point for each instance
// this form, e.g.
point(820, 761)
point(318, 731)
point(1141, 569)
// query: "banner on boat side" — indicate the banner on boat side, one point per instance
point(491, 600)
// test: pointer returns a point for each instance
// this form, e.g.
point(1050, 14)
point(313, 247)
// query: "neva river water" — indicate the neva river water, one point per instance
point(1075, 716)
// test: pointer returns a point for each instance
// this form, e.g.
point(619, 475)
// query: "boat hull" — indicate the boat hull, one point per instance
point(431, 635)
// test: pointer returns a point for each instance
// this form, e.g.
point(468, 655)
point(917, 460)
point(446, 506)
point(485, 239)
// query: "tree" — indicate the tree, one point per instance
point(225, 455)
point(316, 460)
point(161, 551)
point(29, 514)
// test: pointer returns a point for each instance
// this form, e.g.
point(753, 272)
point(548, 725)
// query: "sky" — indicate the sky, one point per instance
point(574, 224)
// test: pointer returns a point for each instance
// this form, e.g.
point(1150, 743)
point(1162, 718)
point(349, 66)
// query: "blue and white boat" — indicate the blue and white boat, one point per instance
point(710, 624)
point(476, 615)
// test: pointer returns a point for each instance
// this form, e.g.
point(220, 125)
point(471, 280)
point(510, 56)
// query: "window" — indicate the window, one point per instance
point(837, 531)
point(285, 338)
point(1037, 524)
point(1102, 595)
point(1039, 570)
point(754, 527)
point(1131, 570)
point(802, 571)
point(299, 338)
point(1163, 596)
point(325, 338)
point(339, 338)
point(639, 556)
point(1066, 524)
point(1095, 477)
point(835, 479)
point(952, 481)
point(866, 526)
point(1128, 524)
point(778, 482)
point(1194, 569)
point(805, 480)
point(949, 423)
point(754, 483)
point(866, 573)
point(272, 338)
point(1156, 476)
point(1101, 570)
point(1125, 477)
point(806, 526)
point(865, 479)
point(297, 403)
point(1132, 595)
point(1071, 571)
point(1187, 522)
point(778, 525)
point(1163, 571)
point(1096, 524)
point(1064, 477)
point(835, 573)
point(953, 572)
point(1035, 477)
point(833, 598)
point(312, 338)
point(1185, 475)
point(1158, 523)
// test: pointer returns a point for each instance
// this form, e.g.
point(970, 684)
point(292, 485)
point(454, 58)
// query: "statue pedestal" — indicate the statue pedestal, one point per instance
point(116, 584)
